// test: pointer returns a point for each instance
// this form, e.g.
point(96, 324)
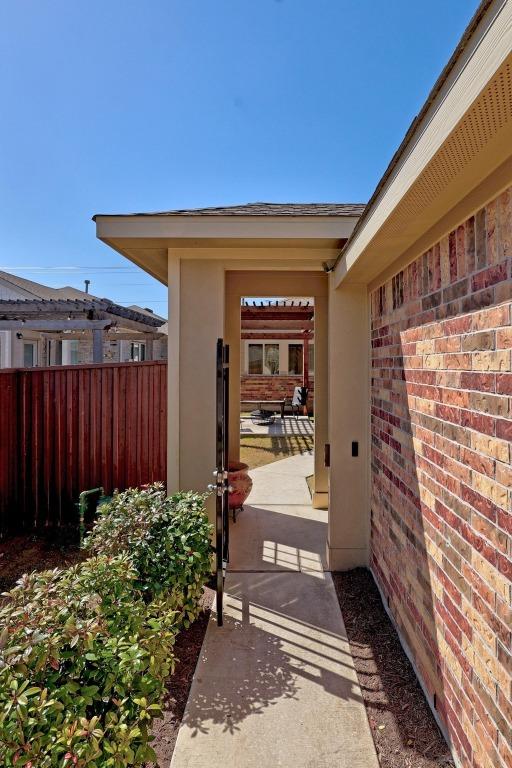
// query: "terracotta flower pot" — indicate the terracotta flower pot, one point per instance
point(241, 483)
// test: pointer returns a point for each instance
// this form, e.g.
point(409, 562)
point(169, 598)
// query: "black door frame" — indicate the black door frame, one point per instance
point(221, 486)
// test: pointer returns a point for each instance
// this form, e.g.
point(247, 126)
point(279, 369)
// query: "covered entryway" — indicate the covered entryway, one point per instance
point(276, 683)
point(210, 259)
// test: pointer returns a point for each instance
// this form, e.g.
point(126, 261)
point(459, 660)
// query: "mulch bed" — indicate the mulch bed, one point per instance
point(403, 727)
point(187, 648)
point(23, 554)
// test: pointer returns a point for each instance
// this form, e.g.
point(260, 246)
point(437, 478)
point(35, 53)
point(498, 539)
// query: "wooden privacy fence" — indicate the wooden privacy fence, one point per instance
point(70, 428)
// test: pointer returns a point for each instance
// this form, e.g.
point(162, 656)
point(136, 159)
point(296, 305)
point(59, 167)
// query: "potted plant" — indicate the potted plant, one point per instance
point(240, 483)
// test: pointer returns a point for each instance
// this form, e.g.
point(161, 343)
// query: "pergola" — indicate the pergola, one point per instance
point(68, 319)
point(280, 319)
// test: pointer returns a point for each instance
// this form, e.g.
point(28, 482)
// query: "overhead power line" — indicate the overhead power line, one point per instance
point(146, 301)
point(72, 270)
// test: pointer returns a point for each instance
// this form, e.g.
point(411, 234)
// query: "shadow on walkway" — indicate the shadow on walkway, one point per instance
point(276, 685)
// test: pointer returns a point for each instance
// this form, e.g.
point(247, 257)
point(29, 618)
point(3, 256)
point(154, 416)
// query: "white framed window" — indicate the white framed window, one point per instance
point(295, 359)
point(263, 358)
point(137, 351)
point(255, 358)
point(73, 352)
point(29, 354)
point(54, 352)
point(271, 358)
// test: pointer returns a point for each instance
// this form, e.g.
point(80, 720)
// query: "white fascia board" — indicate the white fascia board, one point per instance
point(182, 227)
point(482, 57)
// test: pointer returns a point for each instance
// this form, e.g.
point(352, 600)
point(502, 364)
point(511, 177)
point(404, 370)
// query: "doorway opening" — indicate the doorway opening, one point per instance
point(277, 375)
point(284, 522)
point(277, 527)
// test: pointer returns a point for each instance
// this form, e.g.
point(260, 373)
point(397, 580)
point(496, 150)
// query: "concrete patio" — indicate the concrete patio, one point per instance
point(282, 427)
point(276, 686)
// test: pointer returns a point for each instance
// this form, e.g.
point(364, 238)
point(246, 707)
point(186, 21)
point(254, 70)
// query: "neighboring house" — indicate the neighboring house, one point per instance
point(275, 337)
point(42, 326)
point(413, 377)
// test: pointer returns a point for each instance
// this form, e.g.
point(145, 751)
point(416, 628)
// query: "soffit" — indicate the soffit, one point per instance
point(151, 254)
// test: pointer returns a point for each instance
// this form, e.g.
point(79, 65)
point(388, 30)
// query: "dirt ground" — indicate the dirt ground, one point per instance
point(23, 554)
point(403, 727)
point(188, 647)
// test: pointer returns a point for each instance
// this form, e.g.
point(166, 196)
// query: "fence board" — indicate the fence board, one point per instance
point(69, 428)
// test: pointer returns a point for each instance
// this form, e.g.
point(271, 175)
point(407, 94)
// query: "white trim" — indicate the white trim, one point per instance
point(279, 227)
point(141, 345)
point(5, 349)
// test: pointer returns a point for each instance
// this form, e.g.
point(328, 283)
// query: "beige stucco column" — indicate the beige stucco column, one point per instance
point(347, 538)
point(320, 496)
point(173, 374)
point(201, 324)
point(232, 336)
point(192, 383)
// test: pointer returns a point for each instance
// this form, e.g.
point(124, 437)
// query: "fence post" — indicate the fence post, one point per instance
point(97, 345)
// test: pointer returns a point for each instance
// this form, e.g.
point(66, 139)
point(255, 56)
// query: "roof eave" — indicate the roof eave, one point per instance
point(110, 227)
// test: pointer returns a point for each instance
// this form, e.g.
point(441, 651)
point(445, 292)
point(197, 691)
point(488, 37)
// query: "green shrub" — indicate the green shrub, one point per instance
point(168, 539)
point(85, 652)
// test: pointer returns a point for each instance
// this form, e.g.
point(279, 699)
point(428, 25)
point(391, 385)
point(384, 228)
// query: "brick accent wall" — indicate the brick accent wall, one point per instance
point(272, 387)
point(112, 351)
point(441, 434)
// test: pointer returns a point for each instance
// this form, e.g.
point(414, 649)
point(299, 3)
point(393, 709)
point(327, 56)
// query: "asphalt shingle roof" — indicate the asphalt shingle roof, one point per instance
point(43, 298)
point(265, 209)
point(39, 291)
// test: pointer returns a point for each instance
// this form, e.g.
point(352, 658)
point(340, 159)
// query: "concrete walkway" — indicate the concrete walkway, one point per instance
point(276, 686)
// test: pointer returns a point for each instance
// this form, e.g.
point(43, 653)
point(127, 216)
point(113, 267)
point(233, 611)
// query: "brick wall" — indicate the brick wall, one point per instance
point(441, 475)
point(272, 387)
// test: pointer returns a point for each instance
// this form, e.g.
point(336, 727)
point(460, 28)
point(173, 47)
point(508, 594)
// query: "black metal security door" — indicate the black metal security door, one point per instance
point(221, 486)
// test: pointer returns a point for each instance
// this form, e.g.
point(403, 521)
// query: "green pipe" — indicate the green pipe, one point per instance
point(82, 506)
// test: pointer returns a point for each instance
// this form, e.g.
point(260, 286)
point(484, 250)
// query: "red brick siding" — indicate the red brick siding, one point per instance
point(271, 387)
point(441, 475)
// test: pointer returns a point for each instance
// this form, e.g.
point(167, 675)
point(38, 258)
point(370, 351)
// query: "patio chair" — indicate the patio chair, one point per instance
point(298, 401)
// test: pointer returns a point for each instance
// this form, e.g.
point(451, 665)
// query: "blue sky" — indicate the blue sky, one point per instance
point(122, 105)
